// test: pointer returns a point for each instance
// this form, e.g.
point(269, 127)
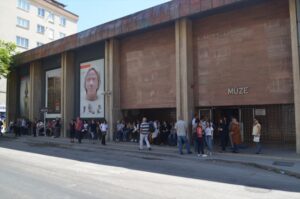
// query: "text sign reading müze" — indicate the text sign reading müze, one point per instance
point(238, 91)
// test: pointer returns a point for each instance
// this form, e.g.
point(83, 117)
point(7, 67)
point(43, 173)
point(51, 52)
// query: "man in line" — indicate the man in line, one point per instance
point(181, 130)
point(144, 132)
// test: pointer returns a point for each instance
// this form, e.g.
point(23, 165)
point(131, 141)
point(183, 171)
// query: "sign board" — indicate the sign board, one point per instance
point(238, 91)
point(43, 110)
point(260, 112)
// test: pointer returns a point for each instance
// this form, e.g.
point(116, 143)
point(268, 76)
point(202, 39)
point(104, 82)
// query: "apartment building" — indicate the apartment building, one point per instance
point(32, 23)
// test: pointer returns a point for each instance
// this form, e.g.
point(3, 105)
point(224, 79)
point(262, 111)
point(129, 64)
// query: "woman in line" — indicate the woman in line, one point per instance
point(235, 135)
point(199, 140)
point(93, 129)
point(104, 128)
point(209, 130)
point(78, 128)
point(256, 132)
point(72, 130)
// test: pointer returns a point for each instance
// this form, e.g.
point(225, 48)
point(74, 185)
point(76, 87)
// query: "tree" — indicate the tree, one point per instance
point(7, 51)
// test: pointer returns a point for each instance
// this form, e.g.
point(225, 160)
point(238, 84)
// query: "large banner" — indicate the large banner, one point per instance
point(24, 97)
point(91, 89)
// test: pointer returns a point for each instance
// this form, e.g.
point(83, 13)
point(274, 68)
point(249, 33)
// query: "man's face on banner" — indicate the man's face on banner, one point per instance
point(92, 84)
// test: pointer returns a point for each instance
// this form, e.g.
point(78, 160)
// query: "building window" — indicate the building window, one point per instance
point(53, 92)
point(51, 17)
point(63, 21)
point(61, 35)
point(40, 29)
point(51, 34)
point(41, 12)
point(39, 44)
point(23, 23)
point(23, 4)
point(22, 42)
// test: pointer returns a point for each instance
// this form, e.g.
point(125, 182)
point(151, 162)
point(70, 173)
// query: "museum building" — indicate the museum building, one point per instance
point(233, 58)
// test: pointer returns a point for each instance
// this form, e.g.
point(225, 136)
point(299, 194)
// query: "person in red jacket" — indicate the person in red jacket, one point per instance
point(78, 128)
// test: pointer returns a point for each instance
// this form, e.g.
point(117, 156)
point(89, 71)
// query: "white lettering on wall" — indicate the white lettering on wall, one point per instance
point(237, 91)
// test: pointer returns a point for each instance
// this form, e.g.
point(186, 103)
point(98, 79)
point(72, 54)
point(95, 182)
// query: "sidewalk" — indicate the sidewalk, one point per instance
point(280, 160)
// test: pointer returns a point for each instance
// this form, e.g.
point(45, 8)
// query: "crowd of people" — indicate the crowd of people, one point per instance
point(229, 133)
point(24, 126)
point(148, 132)
point(159, 132)
point(92, 130)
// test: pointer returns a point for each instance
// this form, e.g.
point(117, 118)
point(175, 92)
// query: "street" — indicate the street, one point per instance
point(51, 171)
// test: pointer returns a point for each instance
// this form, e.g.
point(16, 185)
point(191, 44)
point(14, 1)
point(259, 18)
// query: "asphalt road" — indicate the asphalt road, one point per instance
point(49, 171)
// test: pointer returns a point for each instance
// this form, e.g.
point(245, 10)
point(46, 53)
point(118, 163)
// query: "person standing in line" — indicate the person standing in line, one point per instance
point(235, 135)
point(256, 132)
point(72, 130)
point(103, 128)
point(144, 132)
point(203, 123)
point(85, 130)
point(181, 130)
point(57, 128)
point(199, 140)
point(222, 133)
point(134, 132)
point(1, 126)
point(34, 124)
point(195, 122)
point(78, 128)
point(93, 129)
point(119, 133)
point(226, 131)
point(209, 133)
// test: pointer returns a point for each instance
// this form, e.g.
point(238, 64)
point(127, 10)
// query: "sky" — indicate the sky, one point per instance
point(95, 12)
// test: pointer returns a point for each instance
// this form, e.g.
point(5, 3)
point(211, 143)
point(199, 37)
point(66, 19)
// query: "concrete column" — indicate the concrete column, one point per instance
point(35, 88)
point(112, 85)
point(67, 90)
point(12, 96)
point(296, 72)
point(184, 70)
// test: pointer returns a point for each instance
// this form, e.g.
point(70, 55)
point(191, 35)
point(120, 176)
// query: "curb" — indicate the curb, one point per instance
point(67, 145)
point(260, 166)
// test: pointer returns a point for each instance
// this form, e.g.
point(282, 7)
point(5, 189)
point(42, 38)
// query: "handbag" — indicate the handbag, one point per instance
point(256, 139)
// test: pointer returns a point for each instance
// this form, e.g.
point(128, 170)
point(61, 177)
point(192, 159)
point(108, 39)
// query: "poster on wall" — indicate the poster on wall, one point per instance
point(91, 89)
point(24, 97)
point(53, 93)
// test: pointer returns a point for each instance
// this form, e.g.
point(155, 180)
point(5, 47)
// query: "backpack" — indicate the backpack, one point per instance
point(151, 127)
point(199, 132)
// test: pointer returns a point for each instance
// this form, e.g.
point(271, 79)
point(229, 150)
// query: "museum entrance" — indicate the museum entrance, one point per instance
point(215, 114)
point(243, 115)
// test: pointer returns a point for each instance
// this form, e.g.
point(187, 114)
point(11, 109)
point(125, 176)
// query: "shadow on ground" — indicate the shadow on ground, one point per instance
point(143, 161)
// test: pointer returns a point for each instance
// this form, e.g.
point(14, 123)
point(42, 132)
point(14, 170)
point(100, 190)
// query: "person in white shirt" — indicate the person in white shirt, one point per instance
point(256, 132)
point(103, 129)
point(209, 133)
point(181, 130)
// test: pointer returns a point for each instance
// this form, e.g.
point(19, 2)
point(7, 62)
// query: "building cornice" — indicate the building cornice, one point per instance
point(151, 17)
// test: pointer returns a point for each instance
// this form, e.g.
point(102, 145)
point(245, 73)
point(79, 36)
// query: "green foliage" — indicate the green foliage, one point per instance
point(7, 51)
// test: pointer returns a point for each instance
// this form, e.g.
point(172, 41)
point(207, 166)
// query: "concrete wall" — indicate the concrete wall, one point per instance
point(249, 47)
point(294, 10)
point(148, 72)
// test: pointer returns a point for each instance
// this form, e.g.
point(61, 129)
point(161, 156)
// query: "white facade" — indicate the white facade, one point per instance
point(31, 23)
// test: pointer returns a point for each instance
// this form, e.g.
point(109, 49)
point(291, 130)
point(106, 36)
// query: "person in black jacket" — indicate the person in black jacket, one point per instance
point(72, 130)
point(222, 133)
point(57, 127)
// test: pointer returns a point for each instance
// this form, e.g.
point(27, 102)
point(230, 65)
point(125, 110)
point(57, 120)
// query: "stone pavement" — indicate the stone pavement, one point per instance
point(282, 160)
